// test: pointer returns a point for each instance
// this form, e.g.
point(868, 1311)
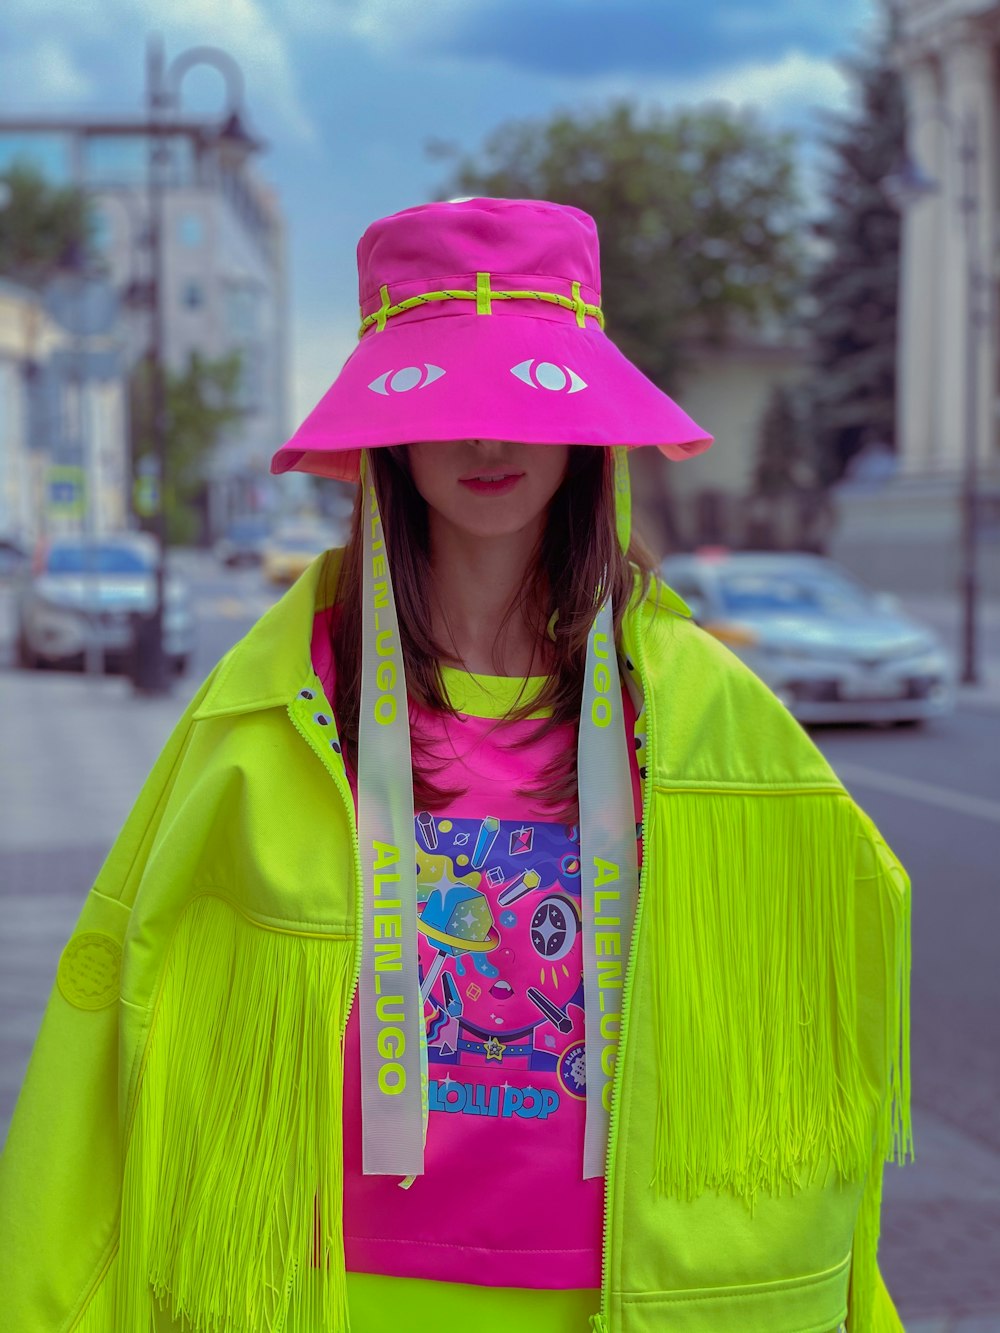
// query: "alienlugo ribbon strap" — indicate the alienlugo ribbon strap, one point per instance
point(394, 1070)
point(393, 1055)
point(609, 876)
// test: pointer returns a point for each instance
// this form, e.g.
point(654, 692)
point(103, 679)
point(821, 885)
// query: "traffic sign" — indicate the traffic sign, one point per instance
point(146, 495)
point(66, 490)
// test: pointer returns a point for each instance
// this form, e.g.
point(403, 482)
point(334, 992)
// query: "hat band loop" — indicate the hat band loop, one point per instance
point(484, 296)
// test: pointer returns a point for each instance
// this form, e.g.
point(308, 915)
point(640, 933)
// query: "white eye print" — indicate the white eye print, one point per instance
point(547, 375)
point(409, 377)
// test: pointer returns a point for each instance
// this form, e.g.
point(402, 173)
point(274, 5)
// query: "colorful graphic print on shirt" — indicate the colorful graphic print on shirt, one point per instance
point(499, 921)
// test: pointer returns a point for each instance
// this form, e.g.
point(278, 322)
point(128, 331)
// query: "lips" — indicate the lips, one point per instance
point(491, 483)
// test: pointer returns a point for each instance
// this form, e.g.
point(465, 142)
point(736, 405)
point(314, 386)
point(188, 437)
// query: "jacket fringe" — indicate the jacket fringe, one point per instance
point(761, 1081)
point(871, 1309)
point(233, 1179)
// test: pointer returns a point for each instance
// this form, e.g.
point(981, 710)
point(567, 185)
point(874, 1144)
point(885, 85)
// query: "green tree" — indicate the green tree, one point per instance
point(43, 228)
point(788, 506)
point(698, 215)
point(202, 402)
point(782, 462)
point(855, 287)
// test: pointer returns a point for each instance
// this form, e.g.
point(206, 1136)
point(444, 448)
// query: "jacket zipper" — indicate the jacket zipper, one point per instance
point(340, 782)
point(601, 1322)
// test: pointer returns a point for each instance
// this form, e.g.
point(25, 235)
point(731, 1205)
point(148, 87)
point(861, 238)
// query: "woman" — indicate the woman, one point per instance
point(444, 971)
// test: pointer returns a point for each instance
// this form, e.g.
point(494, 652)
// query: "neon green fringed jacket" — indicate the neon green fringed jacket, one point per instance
point(174, 1160)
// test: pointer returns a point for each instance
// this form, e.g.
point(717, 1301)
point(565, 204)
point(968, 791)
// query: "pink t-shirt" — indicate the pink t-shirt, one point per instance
point(502, 1201)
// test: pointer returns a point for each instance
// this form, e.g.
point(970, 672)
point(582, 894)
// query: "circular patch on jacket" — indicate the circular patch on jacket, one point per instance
point(89, 970)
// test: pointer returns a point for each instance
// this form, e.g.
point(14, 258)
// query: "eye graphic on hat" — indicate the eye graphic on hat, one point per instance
point(409, 377)
point(547, 375)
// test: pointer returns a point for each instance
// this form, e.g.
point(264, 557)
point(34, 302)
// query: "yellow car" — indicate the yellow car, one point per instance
point(289, 551)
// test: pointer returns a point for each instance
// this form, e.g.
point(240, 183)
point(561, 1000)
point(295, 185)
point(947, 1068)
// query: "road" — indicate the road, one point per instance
point(76, 750)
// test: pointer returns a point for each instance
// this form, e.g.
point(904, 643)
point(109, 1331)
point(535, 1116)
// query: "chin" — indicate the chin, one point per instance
point(493, 525)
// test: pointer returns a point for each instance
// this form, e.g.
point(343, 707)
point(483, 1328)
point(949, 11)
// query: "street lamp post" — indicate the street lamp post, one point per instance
point(150, 669)
point(163, 85)
point(84, 275)
point(905, 188)
point(969, 154)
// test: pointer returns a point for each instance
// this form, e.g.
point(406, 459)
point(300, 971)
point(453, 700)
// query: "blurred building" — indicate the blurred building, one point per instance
point(948, 54)
point(905, 534)
point(223, 262)
point(726, 391)
point(63, 438)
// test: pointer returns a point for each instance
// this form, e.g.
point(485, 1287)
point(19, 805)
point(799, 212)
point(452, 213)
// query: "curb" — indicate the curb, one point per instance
point(979, 699)
point(984, 1322)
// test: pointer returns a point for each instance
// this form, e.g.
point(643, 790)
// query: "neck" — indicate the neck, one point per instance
point(476, 581)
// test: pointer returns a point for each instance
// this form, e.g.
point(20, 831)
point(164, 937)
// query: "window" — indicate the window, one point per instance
point(118, 159)
point(122, 158)
point(83, 557)
point(792, 593)
point(242, 309)
point(192, 295)
point(103, 231)
point(190, 230)
point(253, 374)
point(47, 153)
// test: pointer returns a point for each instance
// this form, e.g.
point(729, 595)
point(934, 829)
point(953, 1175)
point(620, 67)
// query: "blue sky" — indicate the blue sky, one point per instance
point(348, 93)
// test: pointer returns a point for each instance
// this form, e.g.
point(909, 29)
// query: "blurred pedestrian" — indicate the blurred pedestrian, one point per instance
point(488, 947)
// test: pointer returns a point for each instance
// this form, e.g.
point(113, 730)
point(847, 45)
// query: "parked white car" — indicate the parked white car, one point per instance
point(830, 648)
point(90, 588)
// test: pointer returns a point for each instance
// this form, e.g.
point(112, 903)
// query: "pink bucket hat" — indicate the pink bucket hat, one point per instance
point(481, 319)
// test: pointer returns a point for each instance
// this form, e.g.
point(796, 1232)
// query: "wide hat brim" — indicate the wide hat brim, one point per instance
point(536, 379)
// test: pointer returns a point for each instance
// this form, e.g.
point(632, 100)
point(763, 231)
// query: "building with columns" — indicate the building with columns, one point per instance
point(907, 535)
point(948, 55)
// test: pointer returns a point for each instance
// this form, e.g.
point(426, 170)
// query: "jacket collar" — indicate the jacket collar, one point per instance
point(269, 666)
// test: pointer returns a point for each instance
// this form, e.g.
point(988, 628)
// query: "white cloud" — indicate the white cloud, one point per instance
point(382, 24)
point(45, 72)
point(776, 18)
point(244, 28)
point(787, 88)
point(794, 82)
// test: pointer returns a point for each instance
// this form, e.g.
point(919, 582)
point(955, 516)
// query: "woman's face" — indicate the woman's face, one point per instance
point(488, 488)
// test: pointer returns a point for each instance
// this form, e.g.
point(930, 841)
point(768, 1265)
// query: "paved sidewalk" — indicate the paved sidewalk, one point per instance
point(940, 1224)
point(985, 1323)
point(87, 743)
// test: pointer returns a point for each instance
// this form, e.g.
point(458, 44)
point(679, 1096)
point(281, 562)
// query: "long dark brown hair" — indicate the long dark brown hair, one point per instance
point(578, 543)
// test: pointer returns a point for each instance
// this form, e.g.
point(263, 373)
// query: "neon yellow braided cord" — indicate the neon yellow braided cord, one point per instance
point(483, 295)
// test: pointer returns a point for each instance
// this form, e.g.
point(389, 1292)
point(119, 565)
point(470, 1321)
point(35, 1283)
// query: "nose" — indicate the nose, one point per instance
point(490, 451)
